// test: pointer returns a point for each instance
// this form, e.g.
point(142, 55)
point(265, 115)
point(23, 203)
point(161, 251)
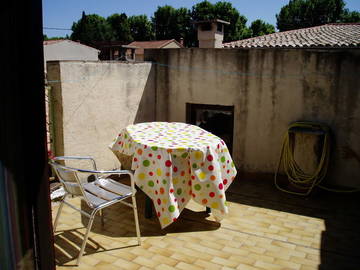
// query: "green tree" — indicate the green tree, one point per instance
point(140, 28)
point(306, 13)
point(91, 28)
point(350, 16)
point(164, 22)
point(120, 27)
point(260, 28)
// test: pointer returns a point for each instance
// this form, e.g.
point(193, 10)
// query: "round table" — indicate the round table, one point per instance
point(176, 162)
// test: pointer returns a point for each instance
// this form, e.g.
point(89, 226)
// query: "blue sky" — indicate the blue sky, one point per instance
point(62, 13)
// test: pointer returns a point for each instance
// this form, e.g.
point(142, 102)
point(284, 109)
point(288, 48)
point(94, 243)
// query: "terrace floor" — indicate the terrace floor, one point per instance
point(266, 229)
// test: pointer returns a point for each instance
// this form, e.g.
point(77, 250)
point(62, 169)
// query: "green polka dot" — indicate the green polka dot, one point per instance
point(154, 148)
point(194, 165)
point(174, 156)
point(171, 208)
point(164, 181)
point(208, 185)
point(142, 187)
point(179, 191)
point(184, 155)
point(126, 136)
point(197, 187)
point(130, 145)
point(146, 163)
point(183, 181)
point(222, 159)
point(151, 184)
point(232, 164)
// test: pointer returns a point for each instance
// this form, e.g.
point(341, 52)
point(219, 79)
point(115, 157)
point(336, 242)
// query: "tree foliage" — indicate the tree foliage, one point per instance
point(120, 27)
point(260, 28)
point(91, 28)
point(306, 13)
point(140, 28)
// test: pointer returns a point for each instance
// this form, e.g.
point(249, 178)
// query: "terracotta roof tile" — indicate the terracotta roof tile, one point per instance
point(339, 35)
point(153, 44)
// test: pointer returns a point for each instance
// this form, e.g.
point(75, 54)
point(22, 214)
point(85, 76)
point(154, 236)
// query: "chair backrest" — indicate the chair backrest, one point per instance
point(69, 177)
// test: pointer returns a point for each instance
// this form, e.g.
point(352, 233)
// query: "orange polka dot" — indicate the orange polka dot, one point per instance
point(204, 201)
point(212, 178)
point(221, 196)
point(167, 174)
point(139, 151)
point(162, 190)
point(169, 150)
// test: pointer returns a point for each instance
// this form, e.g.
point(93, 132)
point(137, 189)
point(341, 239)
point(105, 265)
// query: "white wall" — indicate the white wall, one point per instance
point(93, 101)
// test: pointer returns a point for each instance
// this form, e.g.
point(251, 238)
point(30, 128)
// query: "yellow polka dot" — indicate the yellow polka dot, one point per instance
point(159, 172)
point(141, 176)
point(202, 175)
point(198, 155)
point(175, 181)
point(164, 201)
point(165, 220)
point(214, 205)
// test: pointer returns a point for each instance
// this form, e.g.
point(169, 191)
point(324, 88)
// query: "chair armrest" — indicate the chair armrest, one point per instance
point(64, 158)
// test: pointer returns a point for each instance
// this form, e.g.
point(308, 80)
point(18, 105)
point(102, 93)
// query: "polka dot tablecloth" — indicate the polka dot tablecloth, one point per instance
point(176, 162)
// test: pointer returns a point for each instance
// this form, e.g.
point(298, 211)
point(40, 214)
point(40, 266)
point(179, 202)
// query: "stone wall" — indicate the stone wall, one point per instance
point(269, 89)
point(93, 101)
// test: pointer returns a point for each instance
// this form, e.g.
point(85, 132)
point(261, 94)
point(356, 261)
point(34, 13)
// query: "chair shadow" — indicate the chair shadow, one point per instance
point(340, 240)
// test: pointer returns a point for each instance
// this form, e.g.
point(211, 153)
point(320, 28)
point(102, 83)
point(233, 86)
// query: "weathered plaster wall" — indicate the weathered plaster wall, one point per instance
point(269, 89)
point(93, 101)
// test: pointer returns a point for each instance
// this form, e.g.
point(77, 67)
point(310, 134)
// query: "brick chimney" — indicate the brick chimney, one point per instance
point(211, 33)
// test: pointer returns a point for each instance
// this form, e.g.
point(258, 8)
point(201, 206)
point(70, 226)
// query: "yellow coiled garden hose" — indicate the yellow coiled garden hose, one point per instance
point(296, 176)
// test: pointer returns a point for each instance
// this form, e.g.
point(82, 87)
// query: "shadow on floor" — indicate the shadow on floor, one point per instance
point(340, 241)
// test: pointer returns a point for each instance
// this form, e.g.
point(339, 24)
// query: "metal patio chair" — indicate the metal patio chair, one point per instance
point(98, 194)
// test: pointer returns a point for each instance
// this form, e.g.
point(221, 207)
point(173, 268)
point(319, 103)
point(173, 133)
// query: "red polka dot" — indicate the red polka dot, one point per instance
point(189, 170)
point(158, 201)
point(189, 183)
point(171, 190)
point(211, 168)
point(202, 164)
point(150, 155)
point(157, 181)
point(168, 163)
point(221, 186)
point(174, 219)
point(210, 157)
point(162, 209)
point(145, 146)
point(212, 194)
point(151, 173)
point(193, 195)
point(158, 214)
point(225, 181)
point(175, 169)
point(156, 192)
point(182, 200)
point(228, 171)
point(158, 156)
point(193, 177)
point(135, 159)
point(182, 173)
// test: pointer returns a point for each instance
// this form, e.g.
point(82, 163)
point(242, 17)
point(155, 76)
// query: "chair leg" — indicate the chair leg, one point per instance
point(59, 212)
point(92, 216)
point(136, 219)
point(102, 218)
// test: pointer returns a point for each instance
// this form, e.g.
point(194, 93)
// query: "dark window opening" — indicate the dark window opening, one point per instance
point(217, 119)
point(219, 27)
point(206, 27)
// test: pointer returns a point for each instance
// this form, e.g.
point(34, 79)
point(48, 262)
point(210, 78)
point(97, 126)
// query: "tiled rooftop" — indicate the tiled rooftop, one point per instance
point(266, 229)
point(328, 35)
point(153, 43)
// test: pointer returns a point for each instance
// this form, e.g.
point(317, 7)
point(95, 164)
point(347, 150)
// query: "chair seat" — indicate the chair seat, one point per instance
point(103, 191)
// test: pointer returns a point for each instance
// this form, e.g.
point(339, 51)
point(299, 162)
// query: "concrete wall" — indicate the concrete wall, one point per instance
point(69, 50)
point(269, 89)
point(93, 101)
